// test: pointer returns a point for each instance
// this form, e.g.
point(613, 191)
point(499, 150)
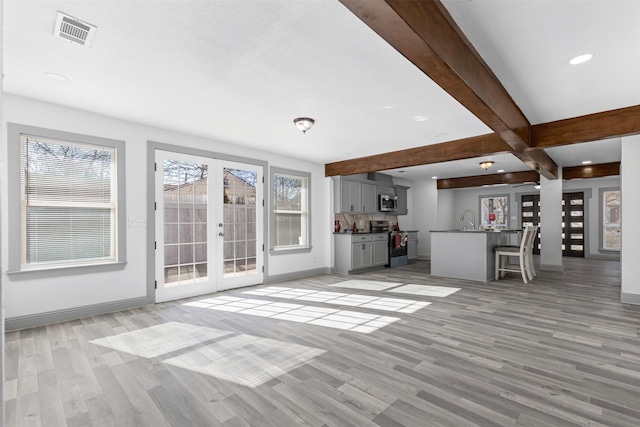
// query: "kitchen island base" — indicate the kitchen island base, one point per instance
point(466, 254)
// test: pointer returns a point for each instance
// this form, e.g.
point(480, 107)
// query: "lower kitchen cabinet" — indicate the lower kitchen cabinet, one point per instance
point(380, 249)
point(412, 245)
point(361, 255)
point(360, 251)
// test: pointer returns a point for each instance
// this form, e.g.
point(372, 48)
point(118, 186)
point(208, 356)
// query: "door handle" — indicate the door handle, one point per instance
point(221, 234)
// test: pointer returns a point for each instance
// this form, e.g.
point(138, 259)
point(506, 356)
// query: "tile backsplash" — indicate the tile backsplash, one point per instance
point(362, 221)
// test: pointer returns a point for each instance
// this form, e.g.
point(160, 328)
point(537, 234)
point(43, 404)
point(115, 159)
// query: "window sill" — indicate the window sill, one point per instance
point(65, 270)
point(289, 251)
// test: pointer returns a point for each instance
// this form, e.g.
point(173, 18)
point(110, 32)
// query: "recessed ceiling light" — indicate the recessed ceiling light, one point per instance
point(581, 59)
point(57, 77)
point(586, 162)
point(434, 177)
point(388, 107)
point(500, 170)
point(420, 118)
point(440, 135)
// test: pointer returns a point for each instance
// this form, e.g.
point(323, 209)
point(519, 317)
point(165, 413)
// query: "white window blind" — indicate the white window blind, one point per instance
point(291, 204)
point(68, 203)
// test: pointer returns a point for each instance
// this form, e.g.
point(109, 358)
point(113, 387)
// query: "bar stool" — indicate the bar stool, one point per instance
point(524, 253)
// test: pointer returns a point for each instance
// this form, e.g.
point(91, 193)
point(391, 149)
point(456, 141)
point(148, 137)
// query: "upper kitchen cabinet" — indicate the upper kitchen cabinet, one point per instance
point(401, 194)
point(354, 196)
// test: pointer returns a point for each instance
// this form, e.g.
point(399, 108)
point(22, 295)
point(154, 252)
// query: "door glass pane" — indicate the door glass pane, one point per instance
point(239, 221)
point(185, 217)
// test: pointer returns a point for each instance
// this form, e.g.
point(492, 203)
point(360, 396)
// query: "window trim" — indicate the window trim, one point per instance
point(14, 220)
point(481, 197)
point(272, 214)
point(601, 247)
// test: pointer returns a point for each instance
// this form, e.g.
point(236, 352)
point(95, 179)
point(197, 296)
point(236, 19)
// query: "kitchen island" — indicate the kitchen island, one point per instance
point(468, 254)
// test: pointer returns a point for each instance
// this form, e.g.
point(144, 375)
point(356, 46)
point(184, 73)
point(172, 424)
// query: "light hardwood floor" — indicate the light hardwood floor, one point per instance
point(559, 351)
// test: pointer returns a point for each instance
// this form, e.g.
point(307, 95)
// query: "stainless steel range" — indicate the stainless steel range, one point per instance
point(397, 243)
point(398, 249)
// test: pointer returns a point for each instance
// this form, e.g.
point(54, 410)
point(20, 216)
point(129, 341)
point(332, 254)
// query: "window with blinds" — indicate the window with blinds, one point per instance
point(290, 210)
point(68, 203)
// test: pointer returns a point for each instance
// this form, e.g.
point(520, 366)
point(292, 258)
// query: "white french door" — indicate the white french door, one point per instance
point(208, 225)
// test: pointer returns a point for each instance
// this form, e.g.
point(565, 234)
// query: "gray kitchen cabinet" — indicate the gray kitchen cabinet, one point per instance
point(361, 255)
point(350, 196)
point(354, 196)
point(380, 249)
point(369, 198)
point(359, 251)
point(412, 245)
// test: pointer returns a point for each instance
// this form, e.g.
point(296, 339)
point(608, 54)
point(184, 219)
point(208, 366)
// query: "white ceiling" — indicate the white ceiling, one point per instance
point(241, 71)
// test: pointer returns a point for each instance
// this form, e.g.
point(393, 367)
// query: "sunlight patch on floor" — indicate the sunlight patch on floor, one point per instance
point(246, 360)
point(363, 301)
point(242, 359)
point(425, 290)
point(369, 285)
point(332, 318)
point(160, 339)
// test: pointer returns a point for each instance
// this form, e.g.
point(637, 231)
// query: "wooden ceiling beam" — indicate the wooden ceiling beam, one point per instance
point(425, 33)
point(468, 148)
point(491, 179)
point(591, 171)
point(591, 127)
point(583, 171)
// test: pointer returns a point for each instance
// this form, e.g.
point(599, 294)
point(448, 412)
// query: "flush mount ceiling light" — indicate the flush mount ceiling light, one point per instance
point(486, 164)
point(303, 123)
point(581, 59)
point(586, 162)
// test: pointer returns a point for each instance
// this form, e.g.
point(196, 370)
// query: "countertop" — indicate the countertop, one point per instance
point(363, 232)
point(381, 232)
point(477, 231)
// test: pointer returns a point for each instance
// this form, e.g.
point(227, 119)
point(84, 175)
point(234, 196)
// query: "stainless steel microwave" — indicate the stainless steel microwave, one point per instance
point(387, 203)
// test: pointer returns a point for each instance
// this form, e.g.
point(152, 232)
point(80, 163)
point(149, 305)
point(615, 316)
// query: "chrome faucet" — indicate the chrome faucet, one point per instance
point(473, 219)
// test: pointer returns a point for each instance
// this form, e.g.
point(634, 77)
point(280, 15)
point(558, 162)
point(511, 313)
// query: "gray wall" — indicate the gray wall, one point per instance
point(451, 204)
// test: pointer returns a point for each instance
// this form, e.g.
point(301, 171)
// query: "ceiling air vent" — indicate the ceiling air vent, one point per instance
point(74, 30)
